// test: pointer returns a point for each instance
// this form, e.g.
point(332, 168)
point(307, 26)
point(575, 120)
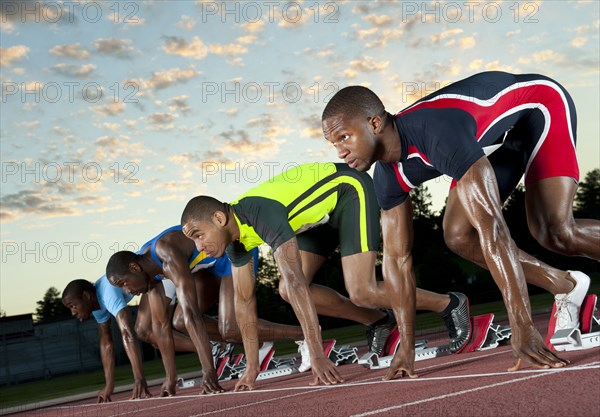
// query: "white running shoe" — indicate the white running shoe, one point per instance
point(303, 350)
point(568, 305)
point(264, 351)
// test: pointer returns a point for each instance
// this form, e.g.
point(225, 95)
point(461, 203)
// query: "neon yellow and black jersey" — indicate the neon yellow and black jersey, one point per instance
point(303, 198)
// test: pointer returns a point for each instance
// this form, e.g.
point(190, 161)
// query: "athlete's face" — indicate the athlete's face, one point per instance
point(81, 308)
point(135, 282)
point(354, 140)
point(208, 236)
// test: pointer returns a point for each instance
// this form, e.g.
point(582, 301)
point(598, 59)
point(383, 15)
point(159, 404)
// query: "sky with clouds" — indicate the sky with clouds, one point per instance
point(114, 114)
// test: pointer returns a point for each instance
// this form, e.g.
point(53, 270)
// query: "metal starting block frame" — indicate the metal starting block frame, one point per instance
point(340, 355)
point(585, 337)
point(422, 352)
point(571, 339)
point(484, 337)
point(235, 365)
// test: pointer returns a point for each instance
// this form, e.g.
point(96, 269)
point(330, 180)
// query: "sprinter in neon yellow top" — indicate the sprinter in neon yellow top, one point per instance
point(304, 214)
point(303, 198)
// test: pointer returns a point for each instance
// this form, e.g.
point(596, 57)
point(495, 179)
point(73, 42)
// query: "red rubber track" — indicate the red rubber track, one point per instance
point(474, 384)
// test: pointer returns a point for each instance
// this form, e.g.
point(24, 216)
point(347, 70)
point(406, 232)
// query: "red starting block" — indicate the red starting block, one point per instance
point(484, 335)
point(585, 337)
point(480, 326)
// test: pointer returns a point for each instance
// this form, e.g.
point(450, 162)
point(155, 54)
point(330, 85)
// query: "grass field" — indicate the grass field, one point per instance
point(63, 386)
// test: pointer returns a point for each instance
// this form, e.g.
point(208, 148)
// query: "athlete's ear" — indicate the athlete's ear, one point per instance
point(376, 123)
point(219, 218)
point(134, 267)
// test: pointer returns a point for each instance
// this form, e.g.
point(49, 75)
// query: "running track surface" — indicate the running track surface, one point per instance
point(475, 384)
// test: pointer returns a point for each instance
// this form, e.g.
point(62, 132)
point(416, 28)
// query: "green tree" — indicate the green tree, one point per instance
point(50, 308)
point(587, 199)
point(421, 202)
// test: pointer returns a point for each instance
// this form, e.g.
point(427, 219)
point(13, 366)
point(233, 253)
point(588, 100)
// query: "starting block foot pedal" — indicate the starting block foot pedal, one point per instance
point(328, 345)
point(586, 316)
point(265, 354)
point(392, 342)
point(587, 336)
point(480, 326)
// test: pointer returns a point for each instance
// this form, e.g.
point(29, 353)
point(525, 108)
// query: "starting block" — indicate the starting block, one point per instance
point(586, 337)
point(484, 336)
point(232, 366)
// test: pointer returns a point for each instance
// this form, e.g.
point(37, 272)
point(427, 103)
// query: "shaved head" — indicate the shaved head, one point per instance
point(354, 102)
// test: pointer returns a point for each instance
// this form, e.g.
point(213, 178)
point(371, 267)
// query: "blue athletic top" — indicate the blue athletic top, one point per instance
point(111, 299)
point(220, 267)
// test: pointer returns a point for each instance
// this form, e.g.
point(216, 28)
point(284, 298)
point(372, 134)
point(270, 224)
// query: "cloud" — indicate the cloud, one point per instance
point(365, 64)
point(378, 21)
point(175, 45)
point(119, 48)
point(385, 36)
point(71, 50)
point(232, 111)
point(246, 40)
point(174, 186)
point(238, 141)
point(12, 54)
point(227, 49)
point(163, 79)
point(111, 126)
point(236, 62)
point(547, 55)
point(583, 29)
point(34, 11)
point(6, 26)
point(579, 41)
point(74, 71)
point(466, 42)
point(524, 60)
point(253, 27)
point(110, 109)
point(365, 33)
point(29, 125)
point(497, 66)
point(161, 118)
point(179, 104)
point(271, 127)
point(108, 148)
point(186, 22)
point(313, 127)
point(30, 202)
point(438, 37)
point(476, 64)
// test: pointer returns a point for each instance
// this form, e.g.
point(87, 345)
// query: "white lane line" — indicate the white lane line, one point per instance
point(592, 365)
point(237, 407)
point(312, 389)
point(309, 387)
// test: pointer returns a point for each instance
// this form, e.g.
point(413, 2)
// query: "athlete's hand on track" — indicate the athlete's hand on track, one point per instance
point(210, 383)
point(140, 390)
point(403, 363)
point(528, 345)
point(168, 388)
point(247, 380)
point(324, 370)
point(104, 395)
